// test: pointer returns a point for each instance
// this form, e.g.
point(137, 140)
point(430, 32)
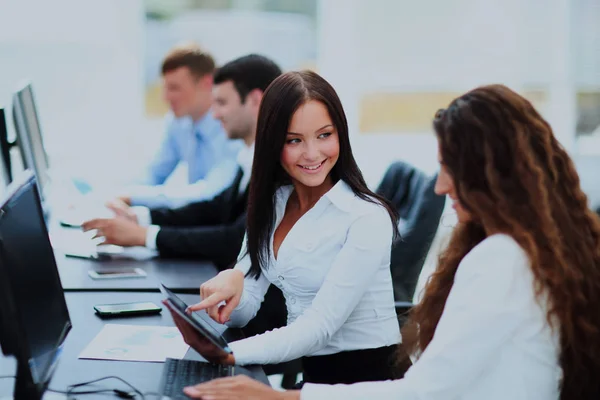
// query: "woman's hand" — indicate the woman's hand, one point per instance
point(238, 387)
point(201, 344)
point(226, 287)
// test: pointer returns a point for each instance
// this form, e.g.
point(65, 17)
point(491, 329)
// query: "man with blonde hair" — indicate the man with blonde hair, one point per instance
point(193, 136)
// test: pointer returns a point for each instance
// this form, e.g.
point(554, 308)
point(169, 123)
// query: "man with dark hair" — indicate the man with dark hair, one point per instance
point(211, 229)
point(193, 136)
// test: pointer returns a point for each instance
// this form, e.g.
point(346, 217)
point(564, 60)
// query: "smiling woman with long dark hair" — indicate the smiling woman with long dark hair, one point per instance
point(320, 235)
point(282, 159)
point(513, 308)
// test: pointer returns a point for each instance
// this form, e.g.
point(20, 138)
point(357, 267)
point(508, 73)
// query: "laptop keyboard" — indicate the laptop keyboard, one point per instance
point(178, 374)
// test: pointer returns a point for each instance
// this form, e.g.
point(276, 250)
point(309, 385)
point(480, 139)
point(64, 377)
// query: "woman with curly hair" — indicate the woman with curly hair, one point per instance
point(513, 308)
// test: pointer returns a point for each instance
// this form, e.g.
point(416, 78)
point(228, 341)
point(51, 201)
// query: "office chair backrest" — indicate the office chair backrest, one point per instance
point(412, 193)
point(396, 186)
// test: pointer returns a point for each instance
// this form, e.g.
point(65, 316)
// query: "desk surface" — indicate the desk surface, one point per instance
point(180, 275)
point(86, 325)
point(183, 275)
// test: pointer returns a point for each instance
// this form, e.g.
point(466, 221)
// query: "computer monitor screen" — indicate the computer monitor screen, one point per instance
point(34, 315)
point(5, 145)
point(29, 135)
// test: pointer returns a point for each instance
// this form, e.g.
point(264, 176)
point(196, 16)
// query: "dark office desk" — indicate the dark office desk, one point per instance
point(179, 275)
point(144, 376)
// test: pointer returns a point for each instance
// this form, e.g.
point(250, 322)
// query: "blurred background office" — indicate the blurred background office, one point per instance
point(95, 68)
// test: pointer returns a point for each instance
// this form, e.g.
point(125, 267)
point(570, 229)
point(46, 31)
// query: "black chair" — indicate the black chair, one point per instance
point(402, 311)
point(412, 193)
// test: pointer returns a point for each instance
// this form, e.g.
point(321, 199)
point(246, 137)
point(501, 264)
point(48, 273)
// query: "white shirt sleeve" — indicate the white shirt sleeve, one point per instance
point(173, 196)
point(252, 296)
point(151, 234)
point(483, 310)
point(368, 241)
point(142, 214)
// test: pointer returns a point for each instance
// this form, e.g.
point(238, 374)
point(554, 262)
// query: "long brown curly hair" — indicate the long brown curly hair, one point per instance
point(513, 176)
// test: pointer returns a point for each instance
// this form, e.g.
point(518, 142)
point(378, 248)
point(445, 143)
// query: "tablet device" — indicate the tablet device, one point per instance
point(197, 320)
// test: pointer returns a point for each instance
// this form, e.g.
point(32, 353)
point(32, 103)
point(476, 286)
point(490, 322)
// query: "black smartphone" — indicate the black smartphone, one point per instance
point(127, 309)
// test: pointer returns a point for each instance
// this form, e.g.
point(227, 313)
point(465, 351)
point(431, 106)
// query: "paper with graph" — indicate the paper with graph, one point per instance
point(136, 343)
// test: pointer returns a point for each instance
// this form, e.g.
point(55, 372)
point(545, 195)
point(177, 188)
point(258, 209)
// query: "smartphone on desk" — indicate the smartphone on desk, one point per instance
point(117, 273)
point(127, 309)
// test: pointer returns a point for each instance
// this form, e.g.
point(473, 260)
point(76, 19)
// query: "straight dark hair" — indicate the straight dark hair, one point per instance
point(247, 73)
point(280, 101)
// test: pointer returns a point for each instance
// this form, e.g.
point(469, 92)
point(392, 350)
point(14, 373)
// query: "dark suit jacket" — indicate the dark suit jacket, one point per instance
point(211, 230)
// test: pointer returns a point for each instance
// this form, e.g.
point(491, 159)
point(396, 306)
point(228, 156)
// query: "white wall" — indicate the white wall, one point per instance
point(586, 16)
point(286, 38)
point(84, 60)
point(439, 45)
point(443, 46)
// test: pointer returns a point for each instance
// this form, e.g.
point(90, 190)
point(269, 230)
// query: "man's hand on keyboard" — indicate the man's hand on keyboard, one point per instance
point(119, 231)
point(122, 210)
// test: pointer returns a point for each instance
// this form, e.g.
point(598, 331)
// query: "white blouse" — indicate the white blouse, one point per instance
point(334, 271)
point(493, 341)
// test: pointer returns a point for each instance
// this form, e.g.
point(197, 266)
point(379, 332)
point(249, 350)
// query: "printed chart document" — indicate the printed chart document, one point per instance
point(136, 343)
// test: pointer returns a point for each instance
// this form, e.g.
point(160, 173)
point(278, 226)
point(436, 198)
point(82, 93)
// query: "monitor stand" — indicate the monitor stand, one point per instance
point(26, 389)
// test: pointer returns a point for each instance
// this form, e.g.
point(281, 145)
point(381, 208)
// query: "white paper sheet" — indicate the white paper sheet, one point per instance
point(136, 343)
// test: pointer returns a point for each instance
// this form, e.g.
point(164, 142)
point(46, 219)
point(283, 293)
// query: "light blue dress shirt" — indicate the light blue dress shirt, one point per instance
point(210, 157)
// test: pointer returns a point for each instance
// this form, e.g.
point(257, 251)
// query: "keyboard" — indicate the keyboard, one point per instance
point(76, 243)
point(178, 374)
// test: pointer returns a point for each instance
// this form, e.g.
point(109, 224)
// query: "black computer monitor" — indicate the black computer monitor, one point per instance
point(29, 135)
point(5, 146)
point(34, 319)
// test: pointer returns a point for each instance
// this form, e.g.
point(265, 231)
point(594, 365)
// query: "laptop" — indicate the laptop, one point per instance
point(177, 374)
point(79, 244)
